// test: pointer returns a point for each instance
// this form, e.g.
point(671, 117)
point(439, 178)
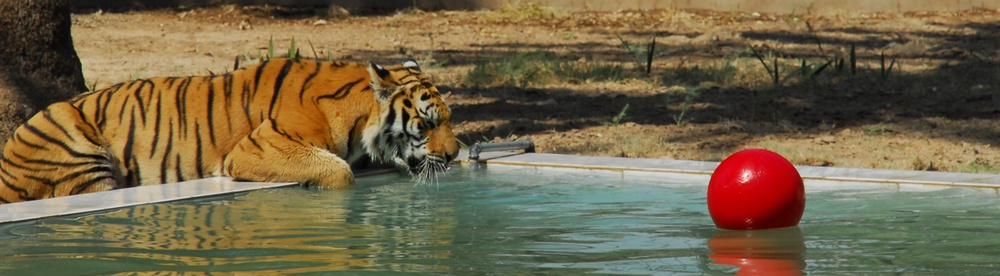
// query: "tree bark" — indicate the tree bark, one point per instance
point(38, 63)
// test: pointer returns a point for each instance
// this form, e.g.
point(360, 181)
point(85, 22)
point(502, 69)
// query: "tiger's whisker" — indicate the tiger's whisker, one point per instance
point(428, 171)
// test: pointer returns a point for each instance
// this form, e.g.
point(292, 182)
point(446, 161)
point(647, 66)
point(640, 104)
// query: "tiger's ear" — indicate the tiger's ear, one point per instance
point(412, 64)
point(379, 83)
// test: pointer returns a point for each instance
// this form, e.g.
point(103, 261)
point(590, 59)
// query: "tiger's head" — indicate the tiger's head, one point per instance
point(413, 129)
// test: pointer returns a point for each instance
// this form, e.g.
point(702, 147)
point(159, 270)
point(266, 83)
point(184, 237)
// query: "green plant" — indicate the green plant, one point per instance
point(852, 60)
point(430, 51)
point(584, 71)
point(293, 49)
point(877, 130)
point(819, 44)
point(293, 52)
point(643, 56)
point(312, 48)
point(683, 74)
point(617, 119)
point(134, 76)
point(980, 165)
point(523, 69)
point(270, 48)
point(429, 61)
point(885, 71)
point(569, 36)
point(809, 72)
point(774, 73)
point(689, 95)
point(518, 69)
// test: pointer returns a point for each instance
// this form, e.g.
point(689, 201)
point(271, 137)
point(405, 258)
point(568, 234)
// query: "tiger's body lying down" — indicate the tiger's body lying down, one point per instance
point(281, 120)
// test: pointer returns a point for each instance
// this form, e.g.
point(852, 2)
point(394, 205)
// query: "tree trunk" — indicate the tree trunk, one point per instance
point(38, 63)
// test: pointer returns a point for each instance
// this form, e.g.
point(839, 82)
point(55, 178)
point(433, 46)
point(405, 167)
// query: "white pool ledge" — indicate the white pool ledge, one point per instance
point(703, 167)
point(85, 203)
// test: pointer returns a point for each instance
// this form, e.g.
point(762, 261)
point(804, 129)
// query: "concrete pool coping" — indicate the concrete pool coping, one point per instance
point(103, 201)
point(646, 165)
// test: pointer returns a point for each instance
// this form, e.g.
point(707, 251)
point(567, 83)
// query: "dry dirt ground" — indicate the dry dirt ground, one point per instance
point(936, 109)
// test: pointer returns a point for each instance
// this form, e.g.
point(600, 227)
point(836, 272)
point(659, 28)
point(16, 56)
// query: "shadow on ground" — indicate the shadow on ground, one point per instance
point(963, 88)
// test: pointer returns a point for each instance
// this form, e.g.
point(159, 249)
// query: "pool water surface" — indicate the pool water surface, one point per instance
point(517, 220)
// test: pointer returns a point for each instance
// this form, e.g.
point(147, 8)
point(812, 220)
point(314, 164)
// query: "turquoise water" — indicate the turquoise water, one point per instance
point(512, 220)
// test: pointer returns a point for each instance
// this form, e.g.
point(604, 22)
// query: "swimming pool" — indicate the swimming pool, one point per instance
point(517, 220)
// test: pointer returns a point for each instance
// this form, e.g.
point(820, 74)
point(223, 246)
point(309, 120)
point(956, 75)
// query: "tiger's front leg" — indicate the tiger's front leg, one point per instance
point(268, 156)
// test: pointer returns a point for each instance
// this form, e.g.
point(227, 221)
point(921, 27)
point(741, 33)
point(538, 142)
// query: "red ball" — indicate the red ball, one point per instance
point(756, 189)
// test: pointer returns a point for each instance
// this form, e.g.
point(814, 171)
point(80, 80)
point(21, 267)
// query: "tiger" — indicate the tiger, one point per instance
point(281, 120)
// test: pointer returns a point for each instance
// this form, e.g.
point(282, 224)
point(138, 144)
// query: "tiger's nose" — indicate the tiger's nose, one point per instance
point(448, 144)
point(450, 150)
point(450, 156)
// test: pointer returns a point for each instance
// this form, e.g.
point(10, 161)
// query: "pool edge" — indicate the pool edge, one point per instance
point(707, 167)
point(114, 199)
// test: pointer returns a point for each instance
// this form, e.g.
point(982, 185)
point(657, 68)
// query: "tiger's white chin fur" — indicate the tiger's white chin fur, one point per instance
point(422, 170)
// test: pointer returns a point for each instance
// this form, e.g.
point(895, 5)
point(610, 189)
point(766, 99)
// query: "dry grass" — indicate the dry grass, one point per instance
point(521, 11)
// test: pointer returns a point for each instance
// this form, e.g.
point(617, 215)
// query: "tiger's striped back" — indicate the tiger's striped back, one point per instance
point(309, 115)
